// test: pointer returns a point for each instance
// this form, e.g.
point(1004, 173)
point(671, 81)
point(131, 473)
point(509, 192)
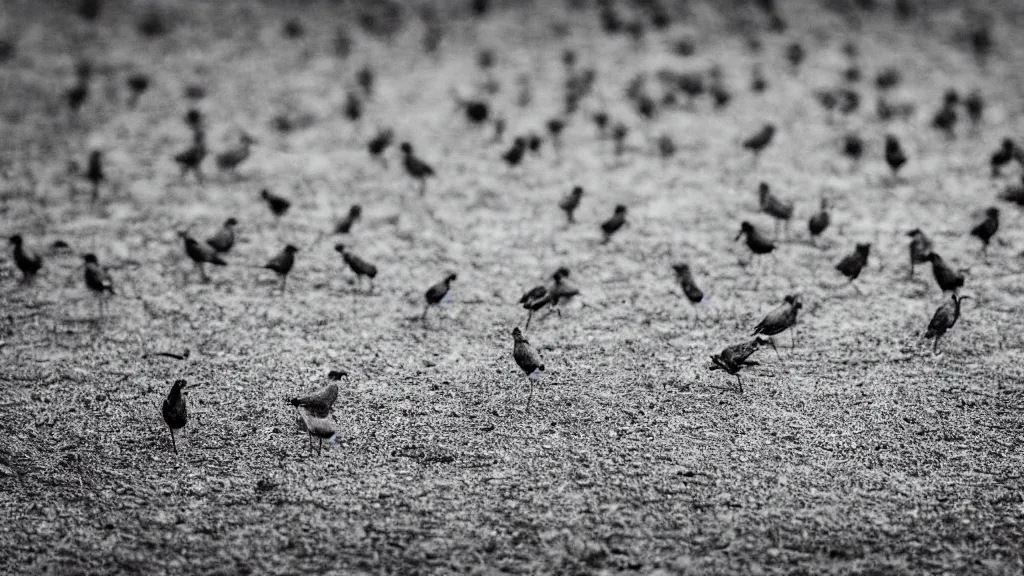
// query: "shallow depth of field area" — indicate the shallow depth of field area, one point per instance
point(858, 452)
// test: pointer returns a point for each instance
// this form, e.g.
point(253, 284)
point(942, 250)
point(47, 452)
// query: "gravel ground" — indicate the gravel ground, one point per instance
point(858, 452)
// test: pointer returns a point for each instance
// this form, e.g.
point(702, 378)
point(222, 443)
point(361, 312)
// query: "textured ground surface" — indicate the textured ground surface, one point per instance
point(860, 453)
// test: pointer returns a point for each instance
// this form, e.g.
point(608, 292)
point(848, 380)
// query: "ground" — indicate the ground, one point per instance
point(858, 451)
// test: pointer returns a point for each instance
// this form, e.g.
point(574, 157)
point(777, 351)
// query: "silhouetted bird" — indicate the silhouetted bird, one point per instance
point(353, 107)
point(887, 78)
point(555, 127)
point(533, 300)
point(319, 403)
point(319, 428)
point(201, 254)
point(756, 241)
point(795, 55)
point(365, 78)
point(282, 264)
point(612, 225)
point(782, 318)
point(987, 229)
point(562, 290)
point(945, 317)
point(601, 122)
point(736, 357)
point(278, 205)
point(619, 133)
point(945, 118)
point(174, 411)
point(230, 159)
point(359, 266)
point(852, 264)
point(137, 83)
point(191, 159)
point(533, 142)
point(344, 226)
point(758, 83)
point(223, 239)
point(477, 111)
point(853, 147)
point(758, 142)
point(94, 172)
point(684, 277)
point(514, 155)
point(438, 293)
point(774, 207)
point(894, 155)
point(1003, 156)
point(26, 260)
point(416, 168)
point(194, 119)
point(379, 144)
point(975, 106)
point(920, 248)
point(819, 222)
point(666, 147)
point(527, 359)
point(570, 202)
point(98, 280)
point(949, 280)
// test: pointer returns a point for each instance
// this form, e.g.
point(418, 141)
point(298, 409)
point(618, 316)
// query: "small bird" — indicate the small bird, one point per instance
point(759, 141)
point(819, 222)
point(612, 225)
point(527, 359)
point(782, 318)
point(379, 144)
point(735, 358)
point(201, 254)
point(438, 293)
point(514, 155)
point(795, 54)
point(533, 300)
point(278, 205)
point(770, 204)
point(191, 159)
point(756, 241)
point(887, 78)
point(852, 264)
point(987, 229)
point(945, 118)
point(365, 79)
point(344, 226)
point(666, 147)
point(570, 202)
point(223, 239)
point(975, 106)
point(319, 428)
point(533, 142)
point(945, 317)
point(356, 264)
point(684, 277)
point(562, 290)
point(137, 83)
point(477, 111)
point(894, 155)
point(1003, 156)
point(352, 109)
point(319, 403)
point(174, 410)
point(416, 168)
point(949, 280)
point(98, 280)
point(920, 248)
point(26, 260)
point(94, 172)
point(282, 264)
point(229, 160)
point(194, 120)
point(758, 82)
point(555, 127)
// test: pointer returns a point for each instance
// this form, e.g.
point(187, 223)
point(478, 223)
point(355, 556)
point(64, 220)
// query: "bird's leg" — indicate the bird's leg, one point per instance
point(173, 443)
point(423, 186)
point(935, 346)
point(425, 310)
point(529, 315)
point(911, 267)
point(792, 334)
point(530, 398)
point(320, 448)
point(739, 382)
point(856, 287)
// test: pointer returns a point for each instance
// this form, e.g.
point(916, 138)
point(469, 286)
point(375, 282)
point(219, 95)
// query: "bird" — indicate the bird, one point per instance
point(756, 241)
point(819, 222)
point(782, 318)
point(853, 147)
point(666, 147)
point(975, 106)
point(201, 254)
point(987, 228)
point(795, 55)
point(282, 263)
point(612, 225)
point(230, 159)
point(619, 133)
point(555, 127)
point(191, 159)
point(894, 155)
point(174, 410)
point(353, 107)
point(945, 118)
point(533, 300)
point(920, 248)
point(438, 293)
point(759, 141)
point(570, 202)
point(416, 168)
point(601, 120)
point(684, 277)
point(223, 239)
point(533, 142)
point(77, 94)
point(26, 260)
point(194, 120)
point(758, 82)
point(278, 204)
point(379, 144)
point(527, 359)
point(356, 264)
point(562, 290)
point(852, 264)
point(770, 204)
point(736, 357)
point(137, 84)
point(319, 428)
point(319, 403)
point(365, 78)
point(1003, 156)
point(514, 155)
point(344, 226)
point(477, 111)
point(97, 280)
point(945, 317)
point(949, 280)
point(94, 172)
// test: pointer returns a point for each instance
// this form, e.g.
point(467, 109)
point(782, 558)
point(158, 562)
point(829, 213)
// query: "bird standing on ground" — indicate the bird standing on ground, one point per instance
point(975, 106)
point(514, 155)
point(533, 300)
point(570, 202)
point(774, 207)
point(945, 317)
point(137, 84)
point(319, 428)
point(174, 411)
point(527, 359)
point(416, 168)
point(98, 280)
point(438, 293)
point(223, 239)
point(344, 226)
point(26, 260)
point(782, 318)
point(819, 222)
point(759, 141)
point(894, 155)
point(945, 118)
point(282, 264)
point(562, 290)
point(94, 173)
point(379, 144)
point(852, 264)
point(278, 204)
point(612, 225)
point(987, 229)
point(230, 159)
point(735, 358)
point(359, 266)
point(756, 241)
point(853, 147)
point(920, 248)
point(949, 280)
point(1003, 156)
point(319, 403)
point(191, 159)
point(201, 254)
point(684, 277)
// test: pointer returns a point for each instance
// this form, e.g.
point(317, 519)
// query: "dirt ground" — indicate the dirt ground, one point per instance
point(858, 452)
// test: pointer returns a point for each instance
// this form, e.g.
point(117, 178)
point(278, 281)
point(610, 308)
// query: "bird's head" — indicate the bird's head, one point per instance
point(89, 258)
point(355, 211)
point(406, 148)
point(339, 248)
point(959, 299)
point(620, 209)
point(1008, 144)
point(517, 334)
point(577, 191)
point(178, 386)
point(230, 222)
point(763, 190)
point(950, 98)
point(914, 233)
point(759, 341)
point(745, 228)
point(863, 249)
point(451, 277)
point(95, 155)
point(562, 272)
point(681, 269)
point(769, 128)
point(291, 249)
point(336, 375)
point(992, 212)
point(265, 193)
point(934, 257)
point(794, 300)
point(16, 240)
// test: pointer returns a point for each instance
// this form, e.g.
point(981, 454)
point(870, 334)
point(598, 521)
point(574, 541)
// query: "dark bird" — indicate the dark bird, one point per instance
point(416, 168)
point(201, 254)
point(945, 317)
point(379, 143)
point(365, 79)
point(533, 300)
point(514, 155)
point(887, 78)
point(94, 172)
point(319, 403)
point(191, 159)
point(920, 248)
point(945, 118)
point(894, 155)
point(684, 277)
point(223, 239)
point(438, 293)
point(77, 94)
point(194, 119)
point(477, 111)
point(1003, 156)
point(619, 133)
point(359, 266)
point(736, 357)
point(601, 122)
point(230, 159)
point(782, 318)
point(26, 260)
point(758, 83)
point(344, 226)
point(770, 204)
point(278, 205)
point(555, 127)
point(795, 55)
point(756, 241)
point(1014, 193)
point(987, 229)
point(975, 106)
point(612, 225)
point(282, 264)
point(96, 277)
point(570, 202)
point(527, 359)
point(666, 147)
point(949, 280)
point(852, 264)
point(319, 428)
point(137, 83)
point(353, 107)
point(820, 221)
point(174, 410)
point(758, 142)
point(562, 290)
